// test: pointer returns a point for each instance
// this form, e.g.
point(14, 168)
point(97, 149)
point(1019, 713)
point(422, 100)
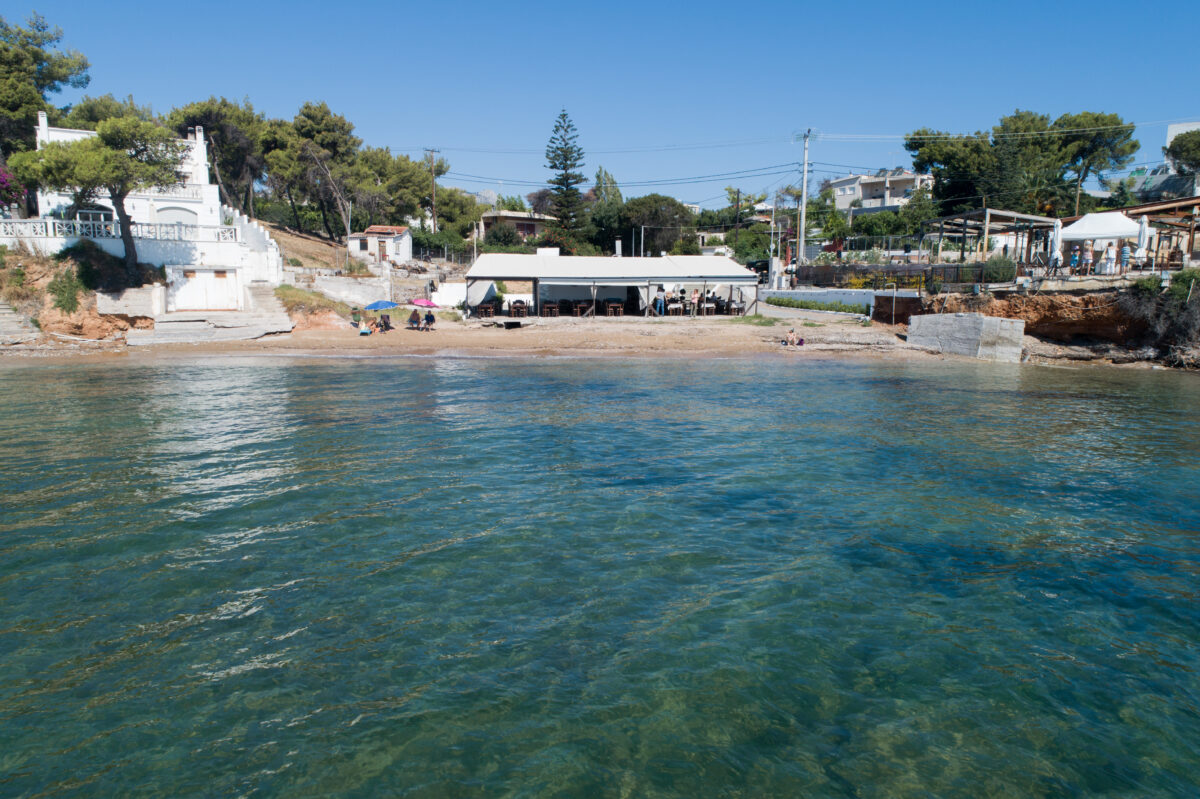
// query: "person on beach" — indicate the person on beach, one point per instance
point(429, 320)
point(1110, 259)
point(1087, 258)
point(793, 338)
point(414, 320)
point(695, 300)
point(355, 317)
point(1126, 254)
point(1075, 259)
point(660, 302)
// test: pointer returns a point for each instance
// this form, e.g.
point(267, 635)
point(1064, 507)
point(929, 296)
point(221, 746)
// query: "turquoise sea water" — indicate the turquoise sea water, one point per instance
point(302, 577)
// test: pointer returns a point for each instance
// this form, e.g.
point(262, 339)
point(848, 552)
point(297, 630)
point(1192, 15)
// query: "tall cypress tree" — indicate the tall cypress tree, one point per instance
point(565, 158)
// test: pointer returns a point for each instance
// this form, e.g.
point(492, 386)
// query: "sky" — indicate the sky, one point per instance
point(677, 98)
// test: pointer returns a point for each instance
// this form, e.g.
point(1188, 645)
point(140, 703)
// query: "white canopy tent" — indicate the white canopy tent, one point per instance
point(1107, 225)
point(595, 272)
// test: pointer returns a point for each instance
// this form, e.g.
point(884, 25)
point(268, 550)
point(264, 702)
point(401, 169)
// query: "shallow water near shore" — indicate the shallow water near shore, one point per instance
point(572, 577)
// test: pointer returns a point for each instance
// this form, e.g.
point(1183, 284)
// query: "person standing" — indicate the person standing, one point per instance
point(1088, 255)
point(1110, 259)
point(695, 300)
point(1126, 253)
point(1074, 259)
point(660, 302)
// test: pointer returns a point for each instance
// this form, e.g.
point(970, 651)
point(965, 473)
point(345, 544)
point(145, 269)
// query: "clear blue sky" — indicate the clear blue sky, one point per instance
point(645, 81)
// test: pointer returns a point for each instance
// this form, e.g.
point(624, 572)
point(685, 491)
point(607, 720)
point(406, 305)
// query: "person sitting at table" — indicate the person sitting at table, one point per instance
point(414, 320)
point(429, 320)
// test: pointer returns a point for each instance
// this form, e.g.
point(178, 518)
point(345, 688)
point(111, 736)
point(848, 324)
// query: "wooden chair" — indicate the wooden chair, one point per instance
point(549, 309)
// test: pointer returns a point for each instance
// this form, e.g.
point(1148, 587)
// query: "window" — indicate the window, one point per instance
point(220, 274)
point(188, 274)
point(362, 245)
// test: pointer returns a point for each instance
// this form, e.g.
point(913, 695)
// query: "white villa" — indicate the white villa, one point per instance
point(213, 254)
point(886, 190)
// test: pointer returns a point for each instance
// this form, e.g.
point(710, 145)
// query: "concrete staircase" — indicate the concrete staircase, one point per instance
point(264, 315)
point(14, 328)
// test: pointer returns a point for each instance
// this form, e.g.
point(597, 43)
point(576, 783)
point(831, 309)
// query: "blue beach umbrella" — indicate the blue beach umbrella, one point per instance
point(381, 305)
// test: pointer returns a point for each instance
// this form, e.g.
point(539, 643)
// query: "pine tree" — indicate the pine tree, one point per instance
point(565, 158)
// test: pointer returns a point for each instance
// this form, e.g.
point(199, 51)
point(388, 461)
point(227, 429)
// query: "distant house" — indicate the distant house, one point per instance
point(1163, 182)
point(527, 223)
point(886, 190)
point(380, 244)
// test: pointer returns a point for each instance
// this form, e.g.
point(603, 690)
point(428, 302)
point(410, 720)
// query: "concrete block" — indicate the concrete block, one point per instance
point(991, 338)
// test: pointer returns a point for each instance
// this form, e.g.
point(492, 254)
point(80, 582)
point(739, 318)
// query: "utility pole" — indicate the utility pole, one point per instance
point(771, 254)
point(737, 218)
point(433, 187)
point(643, 241)
point(803, 203)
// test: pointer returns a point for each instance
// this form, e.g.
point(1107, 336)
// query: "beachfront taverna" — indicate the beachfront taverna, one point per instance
point(598, 281)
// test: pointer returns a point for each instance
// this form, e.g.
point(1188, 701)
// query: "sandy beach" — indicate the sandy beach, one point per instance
point(824, 335)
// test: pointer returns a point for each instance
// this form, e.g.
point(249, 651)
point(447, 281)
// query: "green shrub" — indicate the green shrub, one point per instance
point(503, 234)
point(98, 270)
point(999, 269)
point(295, 262)
point(1171, 316)
point(65, 288)
point(813, 305)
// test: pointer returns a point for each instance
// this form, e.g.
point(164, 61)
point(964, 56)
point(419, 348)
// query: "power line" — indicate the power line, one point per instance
point(743, 174)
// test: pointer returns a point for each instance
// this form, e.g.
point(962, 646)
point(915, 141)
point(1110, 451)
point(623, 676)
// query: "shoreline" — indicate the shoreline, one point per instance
point(827, 338)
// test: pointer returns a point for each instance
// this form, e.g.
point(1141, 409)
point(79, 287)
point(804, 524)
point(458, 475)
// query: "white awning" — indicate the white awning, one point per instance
point(1108, 225)
point(568, 270)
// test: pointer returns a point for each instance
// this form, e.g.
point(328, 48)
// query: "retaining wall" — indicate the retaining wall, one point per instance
point(988, 337)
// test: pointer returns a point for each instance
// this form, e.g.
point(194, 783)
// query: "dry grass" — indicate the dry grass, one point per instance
point(296, 300)
point(313, 252)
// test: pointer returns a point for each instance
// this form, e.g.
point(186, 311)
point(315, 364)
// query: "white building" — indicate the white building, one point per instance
point(212, 253)
point(1164, 182)
point(886, 190)
point(193, 202)
point(380, 244)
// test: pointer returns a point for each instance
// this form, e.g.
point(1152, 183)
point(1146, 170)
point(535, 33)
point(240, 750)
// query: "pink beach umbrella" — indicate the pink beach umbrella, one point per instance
point(424, 303)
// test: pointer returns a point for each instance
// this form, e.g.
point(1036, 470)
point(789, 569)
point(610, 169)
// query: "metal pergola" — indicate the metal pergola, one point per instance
point(980, 223)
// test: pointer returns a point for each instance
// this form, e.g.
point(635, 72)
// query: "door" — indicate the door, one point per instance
point(382, 250)
point(204, 290)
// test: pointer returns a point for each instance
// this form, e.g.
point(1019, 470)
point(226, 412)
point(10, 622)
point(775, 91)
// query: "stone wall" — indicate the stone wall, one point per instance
point(988, 337)
point(146, 301)
point(355, 291)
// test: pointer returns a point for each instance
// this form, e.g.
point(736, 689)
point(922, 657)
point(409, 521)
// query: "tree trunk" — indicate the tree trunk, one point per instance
point(131, 268)
point(212, 149)
point(325, 221)
point(1079, 188)
point(295, 211)
point(248, 204)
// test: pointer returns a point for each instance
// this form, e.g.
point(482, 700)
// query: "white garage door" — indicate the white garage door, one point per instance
point(204, 290)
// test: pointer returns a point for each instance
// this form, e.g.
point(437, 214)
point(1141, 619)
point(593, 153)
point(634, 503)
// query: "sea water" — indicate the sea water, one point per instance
point(677, 577)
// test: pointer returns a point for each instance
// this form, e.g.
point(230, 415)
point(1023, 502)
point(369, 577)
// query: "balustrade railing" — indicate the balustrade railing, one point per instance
point(75, 228)
point(184, 191)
